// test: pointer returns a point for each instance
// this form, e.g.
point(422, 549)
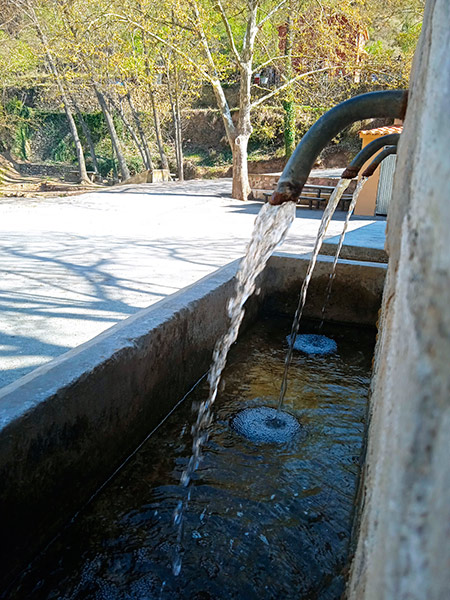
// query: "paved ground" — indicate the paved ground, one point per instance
point(373, 236)
point(72, 267)
point(365, 243)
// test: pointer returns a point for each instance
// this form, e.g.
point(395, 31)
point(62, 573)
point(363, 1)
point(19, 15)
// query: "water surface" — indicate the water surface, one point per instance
point(265, 521)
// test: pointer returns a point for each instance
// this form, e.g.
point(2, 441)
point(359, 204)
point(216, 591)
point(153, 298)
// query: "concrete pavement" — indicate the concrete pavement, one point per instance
point(72, 267)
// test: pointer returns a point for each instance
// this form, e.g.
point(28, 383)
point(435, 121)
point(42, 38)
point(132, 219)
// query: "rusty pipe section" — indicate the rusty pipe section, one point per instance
point(367, 152)
point(389, 104)
point(378, 160)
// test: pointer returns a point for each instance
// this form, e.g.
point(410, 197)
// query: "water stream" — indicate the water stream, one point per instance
point(270, 229)
point(351, 208)
point(326, 218)
point(271, 226)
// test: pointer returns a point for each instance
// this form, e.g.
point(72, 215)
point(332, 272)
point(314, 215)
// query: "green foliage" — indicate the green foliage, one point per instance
point(22, 122)
point(408, 37)
point(375, 48)
point(96, 123)
point(116, 41)
point(208, 158)
point(106, 166)
point(267, 129)
point(289, 127)
point(64, 151)
point(135, 164)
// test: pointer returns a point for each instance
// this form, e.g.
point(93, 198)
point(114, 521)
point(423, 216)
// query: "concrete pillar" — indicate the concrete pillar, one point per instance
point(403, 548)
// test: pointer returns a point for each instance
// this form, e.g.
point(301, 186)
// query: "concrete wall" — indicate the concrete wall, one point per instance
point(357, 289)
point(403, 549)
point(65, 427)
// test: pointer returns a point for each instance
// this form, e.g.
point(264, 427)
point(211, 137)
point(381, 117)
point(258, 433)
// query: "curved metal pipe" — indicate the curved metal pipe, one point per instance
point(367, 152)
point(378, 160)
point(391, 103)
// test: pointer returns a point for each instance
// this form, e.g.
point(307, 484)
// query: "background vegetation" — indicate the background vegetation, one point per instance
point(120, 86)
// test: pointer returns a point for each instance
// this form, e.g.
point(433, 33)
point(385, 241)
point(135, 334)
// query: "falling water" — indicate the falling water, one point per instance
point(326, 218)
point(271, 227)
point(351, 208)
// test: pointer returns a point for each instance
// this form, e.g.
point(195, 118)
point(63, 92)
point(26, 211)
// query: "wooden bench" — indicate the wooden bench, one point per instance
point(316, 194)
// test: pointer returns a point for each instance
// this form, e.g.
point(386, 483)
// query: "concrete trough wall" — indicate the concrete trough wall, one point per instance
point(65, 427)
point(356, 293)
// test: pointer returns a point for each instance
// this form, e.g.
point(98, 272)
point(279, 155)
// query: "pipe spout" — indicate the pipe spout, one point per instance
point(378, 160)
point(367, 152)
point(389, 104)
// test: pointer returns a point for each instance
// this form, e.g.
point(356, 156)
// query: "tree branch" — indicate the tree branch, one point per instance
point(229, 33)
point(267, 62)
point(271, 13)
point(203, 40)
point(285, 85)
point(192, 62)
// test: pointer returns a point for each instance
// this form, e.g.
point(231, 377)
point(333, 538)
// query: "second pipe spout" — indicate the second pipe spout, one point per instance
point(367, 152)
point(389, 104)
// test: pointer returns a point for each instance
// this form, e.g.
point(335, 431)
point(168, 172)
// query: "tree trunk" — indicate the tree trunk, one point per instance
point(125, 173)
point(240, 187)
point(156, 121)
point(238, 140)
point(128, 126)
point(176, 117)
point(78, 147)
point(289, 121)
point(54, 70)
point(162, 154)
point(177, 147)
point(238, 136)
point(137, 120)
point(179, 139)
point(88, 136)
point(72, 126)
point(288, 102)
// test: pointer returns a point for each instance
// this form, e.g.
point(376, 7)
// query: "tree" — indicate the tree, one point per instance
point(90, 53)
point(199, 23)
point(136, 58)
point(28, 9)
point(288, 101)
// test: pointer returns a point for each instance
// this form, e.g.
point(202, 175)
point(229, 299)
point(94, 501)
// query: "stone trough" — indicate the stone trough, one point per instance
point(68, 425)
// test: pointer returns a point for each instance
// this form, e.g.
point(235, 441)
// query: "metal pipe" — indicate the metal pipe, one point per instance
point(389, 104)
point(367, 152)
point(378, 160)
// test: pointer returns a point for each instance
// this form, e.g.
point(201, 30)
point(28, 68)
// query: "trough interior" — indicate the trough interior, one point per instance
point(67, 426)
point(265, 520)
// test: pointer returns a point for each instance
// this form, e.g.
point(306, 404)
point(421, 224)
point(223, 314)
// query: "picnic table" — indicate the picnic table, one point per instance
point(312, 193)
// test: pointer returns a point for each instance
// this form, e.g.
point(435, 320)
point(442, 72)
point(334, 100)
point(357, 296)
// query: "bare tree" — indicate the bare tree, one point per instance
point(28, 9)
point(194, 26)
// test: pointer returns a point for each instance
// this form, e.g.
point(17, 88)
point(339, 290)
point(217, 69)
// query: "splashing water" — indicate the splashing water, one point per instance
point(271, 227)
point(266, 425)
point(326, 218)
point(311, 343)
point(351, 208)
